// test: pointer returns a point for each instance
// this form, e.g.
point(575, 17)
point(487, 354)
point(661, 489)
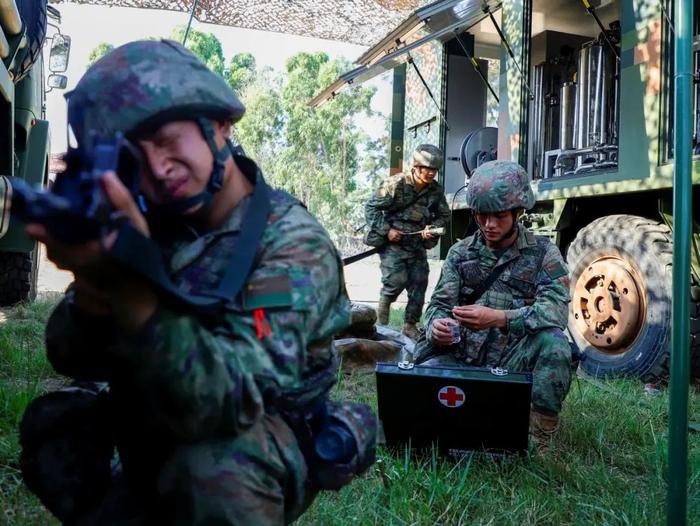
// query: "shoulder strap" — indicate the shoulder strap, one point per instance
point(485, 285)
point(498, 270)
point(246, 246)
point(143, 256)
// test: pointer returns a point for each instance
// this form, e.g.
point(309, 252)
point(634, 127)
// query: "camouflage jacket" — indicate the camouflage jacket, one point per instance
point(185, 377)
point(533, 289)
point(397, 204)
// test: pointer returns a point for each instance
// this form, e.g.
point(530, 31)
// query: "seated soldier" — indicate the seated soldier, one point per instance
point(507, 291)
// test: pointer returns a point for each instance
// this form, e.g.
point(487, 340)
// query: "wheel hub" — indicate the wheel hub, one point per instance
point(608, 304)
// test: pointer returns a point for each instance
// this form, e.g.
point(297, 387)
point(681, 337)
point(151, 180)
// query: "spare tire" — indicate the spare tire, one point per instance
point(33, 13)
point(620, 314)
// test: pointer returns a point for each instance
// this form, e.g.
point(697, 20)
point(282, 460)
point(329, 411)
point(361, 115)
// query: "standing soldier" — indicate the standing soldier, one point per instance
point(506, 293)
point(218, 417)
point(399, 217)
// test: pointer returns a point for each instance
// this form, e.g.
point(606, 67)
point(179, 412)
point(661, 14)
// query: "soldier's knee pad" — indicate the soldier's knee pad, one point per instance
point(67, 449)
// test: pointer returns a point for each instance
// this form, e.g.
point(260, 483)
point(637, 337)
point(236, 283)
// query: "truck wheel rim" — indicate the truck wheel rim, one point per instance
point(609, 304)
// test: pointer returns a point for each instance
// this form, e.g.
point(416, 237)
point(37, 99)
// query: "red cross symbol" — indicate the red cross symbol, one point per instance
point(451, 396)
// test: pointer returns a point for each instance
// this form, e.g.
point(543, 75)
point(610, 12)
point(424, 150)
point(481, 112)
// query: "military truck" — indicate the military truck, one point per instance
point(580, 92)
point(24, 132)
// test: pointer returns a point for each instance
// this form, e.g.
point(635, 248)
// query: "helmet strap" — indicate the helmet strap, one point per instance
point(216, 179)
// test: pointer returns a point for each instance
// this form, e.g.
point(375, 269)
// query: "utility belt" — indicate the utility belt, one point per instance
point(338, 440)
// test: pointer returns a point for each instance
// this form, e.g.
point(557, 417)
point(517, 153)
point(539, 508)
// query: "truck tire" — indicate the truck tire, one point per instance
point(33, 13)
point(620, 315)
point(18, 276)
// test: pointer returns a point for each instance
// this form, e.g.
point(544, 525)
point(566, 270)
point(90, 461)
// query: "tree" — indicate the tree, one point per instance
point(241, 71)
point(100, 51)
point(314, 153)
point(205, 45)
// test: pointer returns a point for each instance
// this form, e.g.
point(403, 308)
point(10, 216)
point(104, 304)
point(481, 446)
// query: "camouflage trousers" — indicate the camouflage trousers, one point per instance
point(405, 270)
point(547, 354)
point(258, 477)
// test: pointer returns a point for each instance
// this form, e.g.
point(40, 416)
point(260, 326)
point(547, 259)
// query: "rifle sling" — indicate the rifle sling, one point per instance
point(143, 256)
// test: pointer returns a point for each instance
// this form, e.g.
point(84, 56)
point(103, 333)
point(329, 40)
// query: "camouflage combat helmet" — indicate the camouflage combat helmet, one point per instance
point(497, 186)
point(427, 155)
point(144, 84)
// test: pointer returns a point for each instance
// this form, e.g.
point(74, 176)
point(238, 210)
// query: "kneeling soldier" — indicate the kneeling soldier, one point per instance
point(508, 292)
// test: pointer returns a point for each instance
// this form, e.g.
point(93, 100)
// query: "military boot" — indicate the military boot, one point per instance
point(383, 310)
point(411, 330)
point(542, 430)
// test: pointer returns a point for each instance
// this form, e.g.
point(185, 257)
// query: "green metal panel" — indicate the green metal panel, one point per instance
point(512, 122)
point(32, 169)
point(397, 120)
point(7, 132)
point(422, 118)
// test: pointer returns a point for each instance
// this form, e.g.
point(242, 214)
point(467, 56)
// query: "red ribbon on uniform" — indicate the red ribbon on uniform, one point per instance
point(261, 325)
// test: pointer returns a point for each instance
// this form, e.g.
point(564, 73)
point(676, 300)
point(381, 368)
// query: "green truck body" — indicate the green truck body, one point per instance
point(24, 131)
point(589, 114)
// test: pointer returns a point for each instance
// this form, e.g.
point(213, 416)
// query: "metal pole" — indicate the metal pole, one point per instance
point(603, 32)
point(677, 500)
point(189, 22)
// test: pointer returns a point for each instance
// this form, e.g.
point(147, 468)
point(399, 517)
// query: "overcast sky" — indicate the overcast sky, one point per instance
point(90, 25)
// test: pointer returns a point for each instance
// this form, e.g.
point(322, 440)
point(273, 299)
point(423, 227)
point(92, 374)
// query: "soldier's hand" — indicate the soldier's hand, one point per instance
point(479, 316)
point(394, 235)
point(134, 300)
point(88, 258)
point(124, 205)
point(90, 298)
point(441, 332)
point(425, 234)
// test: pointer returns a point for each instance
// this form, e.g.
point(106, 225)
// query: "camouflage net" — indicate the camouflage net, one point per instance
point(361, 22)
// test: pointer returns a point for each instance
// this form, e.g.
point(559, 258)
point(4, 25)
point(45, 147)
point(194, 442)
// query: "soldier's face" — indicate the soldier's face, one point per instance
point(495, 226)
point(177, 161)
point(426, 175)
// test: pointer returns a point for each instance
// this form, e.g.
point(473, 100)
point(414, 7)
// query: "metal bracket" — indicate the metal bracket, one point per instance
point(497, 371)
point(415, 127)
point(407, 366)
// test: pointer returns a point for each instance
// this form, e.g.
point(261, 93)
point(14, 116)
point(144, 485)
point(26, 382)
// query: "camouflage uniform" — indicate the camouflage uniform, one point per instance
point(200, 407)
point(533, 290)
point(404, 265)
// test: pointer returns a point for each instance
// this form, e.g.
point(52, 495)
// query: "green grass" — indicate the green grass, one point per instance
point(24, 375)
point(607, 467)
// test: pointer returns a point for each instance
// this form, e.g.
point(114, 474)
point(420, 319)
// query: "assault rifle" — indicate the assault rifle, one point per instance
point(76, 209)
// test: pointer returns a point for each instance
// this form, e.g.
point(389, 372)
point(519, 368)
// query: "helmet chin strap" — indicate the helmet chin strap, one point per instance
point(216, 179)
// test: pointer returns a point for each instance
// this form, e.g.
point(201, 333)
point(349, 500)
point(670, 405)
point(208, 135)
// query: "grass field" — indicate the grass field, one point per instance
point(607, 468)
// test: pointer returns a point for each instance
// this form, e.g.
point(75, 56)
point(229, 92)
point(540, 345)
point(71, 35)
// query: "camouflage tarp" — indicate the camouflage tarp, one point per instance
point(359, 21)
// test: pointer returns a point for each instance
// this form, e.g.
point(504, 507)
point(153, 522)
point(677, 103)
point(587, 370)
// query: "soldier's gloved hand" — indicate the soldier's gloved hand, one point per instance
point(131, 301)
point(394, 235)
point(479, 316)
point(425, 234)
point(441, 332)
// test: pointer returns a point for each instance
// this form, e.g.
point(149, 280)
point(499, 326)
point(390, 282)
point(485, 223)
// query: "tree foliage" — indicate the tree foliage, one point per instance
point(205, 45)
point(314, 153)
point(320, 155)
point(100, 51)
point(241, 71)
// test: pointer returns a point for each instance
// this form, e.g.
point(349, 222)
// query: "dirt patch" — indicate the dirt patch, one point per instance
point(51, 278)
